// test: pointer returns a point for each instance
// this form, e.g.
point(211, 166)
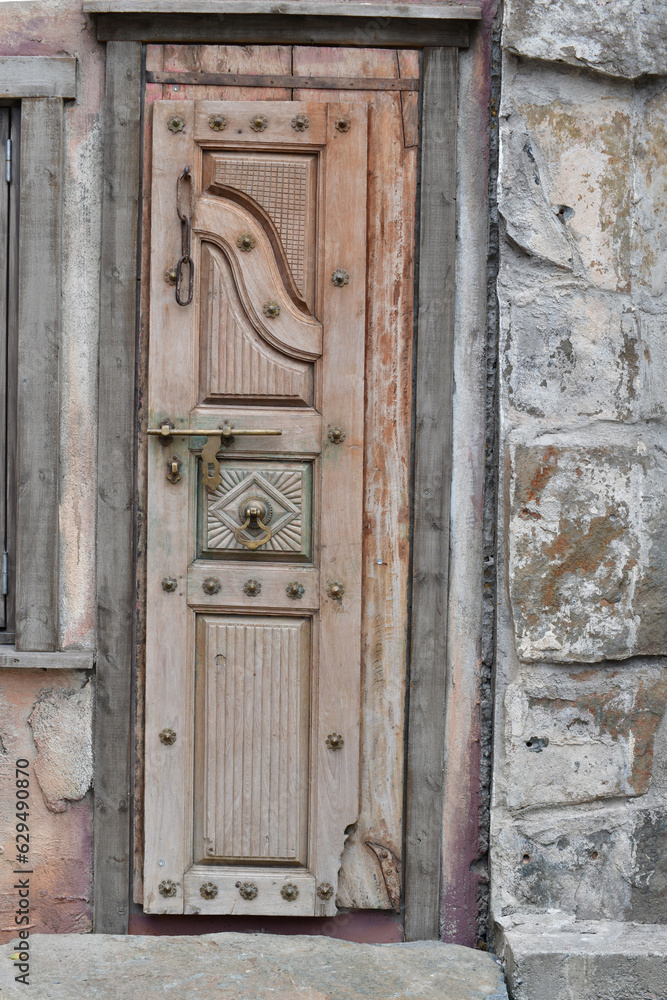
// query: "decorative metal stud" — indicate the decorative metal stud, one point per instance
point(246, 242)
point(247, 890)
point(176, 123)
point(334, 741)
point(335, 590)
point(342, 124)
point(300, 123)
point(167, 888)
point(211, 585)
point(271, 309)
point(340, 277)
point(208, 890)
point(252, 588)
point(169, 584)
point(289, 892)
point(217, 123)
point(258, 123)
point(174, 469)
point(168, 737)
point(325, 890)
point(295, 590)
point(336, 434)
point(171, 275)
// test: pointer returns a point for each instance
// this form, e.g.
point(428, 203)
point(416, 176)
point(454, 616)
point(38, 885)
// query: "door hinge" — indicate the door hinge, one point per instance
point(8, 162)
point(4, 582)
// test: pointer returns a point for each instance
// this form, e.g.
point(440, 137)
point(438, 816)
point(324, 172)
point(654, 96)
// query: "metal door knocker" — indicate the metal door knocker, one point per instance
point(255, 511)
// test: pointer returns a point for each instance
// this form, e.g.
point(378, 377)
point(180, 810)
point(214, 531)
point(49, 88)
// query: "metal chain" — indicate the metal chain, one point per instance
point(185, 215)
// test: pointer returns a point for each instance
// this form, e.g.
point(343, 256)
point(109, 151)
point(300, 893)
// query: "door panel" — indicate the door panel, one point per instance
point(254, 677)
point(236, 364)
point(253, 612)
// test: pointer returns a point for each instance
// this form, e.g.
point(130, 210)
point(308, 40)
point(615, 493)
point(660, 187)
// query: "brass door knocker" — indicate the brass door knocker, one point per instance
point(256, 512)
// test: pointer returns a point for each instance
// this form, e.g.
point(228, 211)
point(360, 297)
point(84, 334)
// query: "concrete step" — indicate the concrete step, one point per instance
point(554, 956)
point(249, 967)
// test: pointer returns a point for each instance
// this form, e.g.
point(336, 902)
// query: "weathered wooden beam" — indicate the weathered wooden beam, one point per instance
point(283, 29)
point(115, 467)
point(309, 8)
point(300, 82)
point(37, 76)
point(432, 487)
point(38, 403)
point(73, 659)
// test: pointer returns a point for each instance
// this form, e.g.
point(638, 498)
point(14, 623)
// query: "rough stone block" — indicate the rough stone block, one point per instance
point(571, 141)
point(580, 863)
point(552, 957)
point(254, 967)
point(570, 353)
point(626, 41)
point(582, 735)
point(650, 184)
point(588, 544)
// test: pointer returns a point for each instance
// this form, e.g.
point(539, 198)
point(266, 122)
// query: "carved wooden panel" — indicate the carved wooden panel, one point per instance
point(285, 488)
point(284, 187)
point(253, 677)
point(235, 362)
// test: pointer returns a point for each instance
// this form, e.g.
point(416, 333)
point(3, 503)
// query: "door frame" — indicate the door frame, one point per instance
point(442, 769)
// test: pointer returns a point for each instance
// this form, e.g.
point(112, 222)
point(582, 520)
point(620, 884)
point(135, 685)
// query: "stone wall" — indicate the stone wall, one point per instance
point(579, 818)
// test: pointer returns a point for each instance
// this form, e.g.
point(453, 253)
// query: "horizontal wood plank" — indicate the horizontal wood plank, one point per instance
point(302, 82)
point(282, 29)
point(37, 76)
point(310, 8)
point(73, 659)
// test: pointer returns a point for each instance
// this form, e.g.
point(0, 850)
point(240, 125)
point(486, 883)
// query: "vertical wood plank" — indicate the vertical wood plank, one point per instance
point(432, 484)
point(387, 432)
point(4, 263)
point(38, 398)
point(12, 360)
point(115, 515)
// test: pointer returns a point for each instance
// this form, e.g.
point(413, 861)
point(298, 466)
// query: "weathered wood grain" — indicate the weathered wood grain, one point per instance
point(432, 484)
point(312, 8)
point(12, 362)
point(37, 76)
point(283, 29)
point(266, 80)
point(4, 265)
point(38, 398)
point(115, 514)
point(152, 92)
point(73, 659)
point(408, 66)
point(388, 401)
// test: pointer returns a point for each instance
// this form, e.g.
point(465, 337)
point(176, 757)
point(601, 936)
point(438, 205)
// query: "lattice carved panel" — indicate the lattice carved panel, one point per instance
point(285, 490)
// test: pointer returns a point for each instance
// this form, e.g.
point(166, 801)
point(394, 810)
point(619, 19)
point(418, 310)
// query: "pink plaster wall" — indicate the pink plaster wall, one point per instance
point(60, 842)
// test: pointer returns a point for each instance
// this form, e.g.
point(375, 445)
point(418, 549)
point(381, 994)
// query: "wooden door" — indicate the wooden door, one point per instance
point(254, 570)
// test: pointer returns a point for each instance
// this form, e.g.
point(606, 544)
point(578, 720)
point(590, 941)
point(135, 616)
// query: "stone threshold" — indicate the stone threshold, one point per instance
point(249, 967)
point(552, 955)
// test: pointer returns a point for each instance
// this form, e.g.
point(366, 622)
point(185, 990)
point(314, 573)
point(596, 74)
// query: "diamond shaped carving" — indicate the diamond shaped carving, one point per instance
point(283, 493)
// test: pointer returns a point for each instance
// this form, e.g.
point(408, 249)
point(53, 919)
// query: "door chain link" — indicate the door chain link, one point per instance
point(185, 215)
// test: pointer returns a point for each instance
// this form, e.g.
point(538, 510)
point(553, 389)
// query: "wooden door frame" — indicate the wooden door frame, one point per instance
point(439, 32)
